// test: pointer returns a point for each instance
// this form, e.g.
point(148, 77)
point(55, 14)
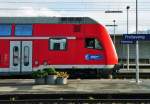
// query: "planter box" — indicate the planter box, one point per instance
point(50, 79)
point(61, 81)
point(39, 81)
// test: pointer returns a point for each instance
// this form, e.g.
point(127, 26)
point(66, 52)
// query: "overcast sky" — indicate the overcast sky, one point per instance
point(95, 9)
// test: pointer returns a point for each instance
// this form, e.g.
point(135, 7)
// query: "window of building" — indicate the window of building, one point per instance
point(92, 43)
point(58, 44)
point(23, 30)
point(5, 30)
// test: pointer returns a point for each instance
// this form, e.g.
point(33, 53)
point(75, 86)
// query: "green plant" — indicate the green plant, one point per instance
point(50, 71)
point(39, 74)
point(62, 75)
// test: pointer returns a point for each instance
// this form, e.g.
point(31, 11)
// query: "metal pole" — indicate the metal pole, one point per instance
point(114, 33)
point(137, 46)
point(128, 47)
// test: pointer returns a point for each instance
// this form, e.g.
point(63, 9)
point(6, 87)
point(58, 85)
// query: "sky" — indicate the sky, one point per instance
point(76, 8)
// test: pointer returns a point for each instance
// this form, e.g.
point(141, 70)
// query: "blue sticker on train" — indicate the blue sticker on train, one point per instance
point(93, 57)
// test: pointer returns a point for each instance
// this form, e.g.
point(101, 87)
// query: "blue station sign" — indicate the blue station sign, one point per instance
point(135, 37)
point(93, 57)
point(127, 42)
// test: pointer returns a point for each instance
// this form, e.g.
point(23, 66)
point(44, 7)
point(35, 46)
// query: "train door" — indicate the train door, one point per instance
point(20, 56)
point(26, 56)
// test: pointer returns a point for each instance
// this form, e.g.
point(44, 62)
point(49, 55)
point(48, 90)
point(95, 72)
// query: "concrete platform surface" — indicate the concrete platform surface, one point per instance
point(27, 86)
point(134, 70)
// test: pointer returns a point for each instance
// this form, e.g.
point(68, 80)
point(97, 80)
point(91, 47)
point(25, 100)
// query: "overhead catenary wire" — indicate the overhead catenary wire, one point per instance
point(76, 5)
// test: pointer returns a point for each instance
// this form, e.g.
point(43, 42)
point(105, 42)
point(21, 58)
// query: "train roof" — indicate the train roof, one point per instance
point(49, 20)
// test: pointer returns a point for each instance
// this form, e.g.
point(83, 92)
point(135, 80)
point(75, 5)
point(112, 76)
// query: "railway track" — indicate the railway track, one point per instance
point(116, 76)
point(75, 98)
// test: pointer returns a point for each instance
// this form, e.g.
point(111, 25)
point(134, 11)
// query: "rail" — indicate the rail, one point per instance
point(74, 98)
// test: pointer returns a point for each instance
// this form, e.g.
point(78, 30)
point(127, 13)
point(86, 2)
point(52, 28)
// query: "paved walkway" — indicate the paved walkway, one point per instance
point(27, 86)
point(134, 70)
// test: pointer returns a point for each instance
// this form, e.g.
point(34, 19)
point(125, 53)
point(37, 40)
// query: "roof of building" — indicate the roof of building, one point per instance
point(50, 20)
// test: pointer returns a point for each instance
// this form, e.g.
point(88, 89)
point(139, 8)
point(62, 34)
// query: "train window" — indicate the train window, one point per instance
point(5, 30)
point(15, 56)
point(26, 56)
point(58, 44)
point(92, 43)
point(23, 30)
point(97, 44)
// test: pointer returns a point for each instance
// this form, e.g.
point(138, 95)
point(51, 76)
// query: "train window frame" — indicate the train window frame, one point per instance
point(23, 34)
point(9, 30)
point(57, 39)
point(95, 40)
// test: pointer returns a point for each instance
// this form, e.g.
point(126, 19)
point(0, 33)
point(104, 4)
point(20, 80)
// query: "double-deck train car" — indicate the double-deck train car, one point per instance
point(31, 43)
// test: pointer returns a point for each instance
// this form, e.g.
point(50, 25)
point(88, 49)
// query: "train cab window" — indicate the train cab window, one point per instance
point(23, 30)
point(92, 43)
point(58, 44)
point(5, 30)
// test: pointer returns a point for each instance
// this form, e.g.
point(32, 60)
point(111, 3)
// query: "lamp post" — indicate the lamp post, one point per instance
point(114, 37)
point(128, 47)
point(137, 46)
point(114, 25)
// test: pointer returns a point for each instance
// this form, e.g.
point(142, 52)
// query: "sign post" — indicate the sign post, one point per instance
point(137, 47)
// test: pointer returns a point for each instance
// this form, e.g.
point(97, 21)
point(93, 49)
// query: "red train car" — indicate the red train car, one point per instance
point(31, 43)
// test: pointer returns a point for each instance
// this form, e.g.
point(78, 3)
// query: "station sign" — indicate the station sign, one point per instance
point(135, 37)
point(127, 42)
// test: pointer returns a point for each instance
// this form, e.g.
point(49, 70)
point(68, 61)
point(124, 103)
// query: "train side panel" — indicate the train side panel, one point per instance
point(4, 53)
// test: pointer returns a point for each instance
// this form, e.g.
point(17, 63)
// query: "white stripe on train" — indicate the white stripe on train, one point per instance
point(64, 67)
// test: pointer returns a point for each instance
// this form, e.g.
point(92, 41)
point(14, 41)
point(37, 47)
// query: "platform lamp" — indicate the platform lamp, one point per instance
point(128, 47)
point(114, 36)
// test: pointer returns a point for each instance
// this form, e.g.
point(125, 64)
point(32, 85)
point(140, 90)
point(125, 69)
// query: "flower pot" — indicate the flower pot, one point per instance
point(51, 79)
point(39, 80)
point(61, 81)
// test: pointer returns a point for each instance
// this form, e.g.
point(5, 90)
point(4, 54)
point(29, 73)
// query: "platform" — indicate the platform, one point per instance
point(27, 86)
point(134, 70)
